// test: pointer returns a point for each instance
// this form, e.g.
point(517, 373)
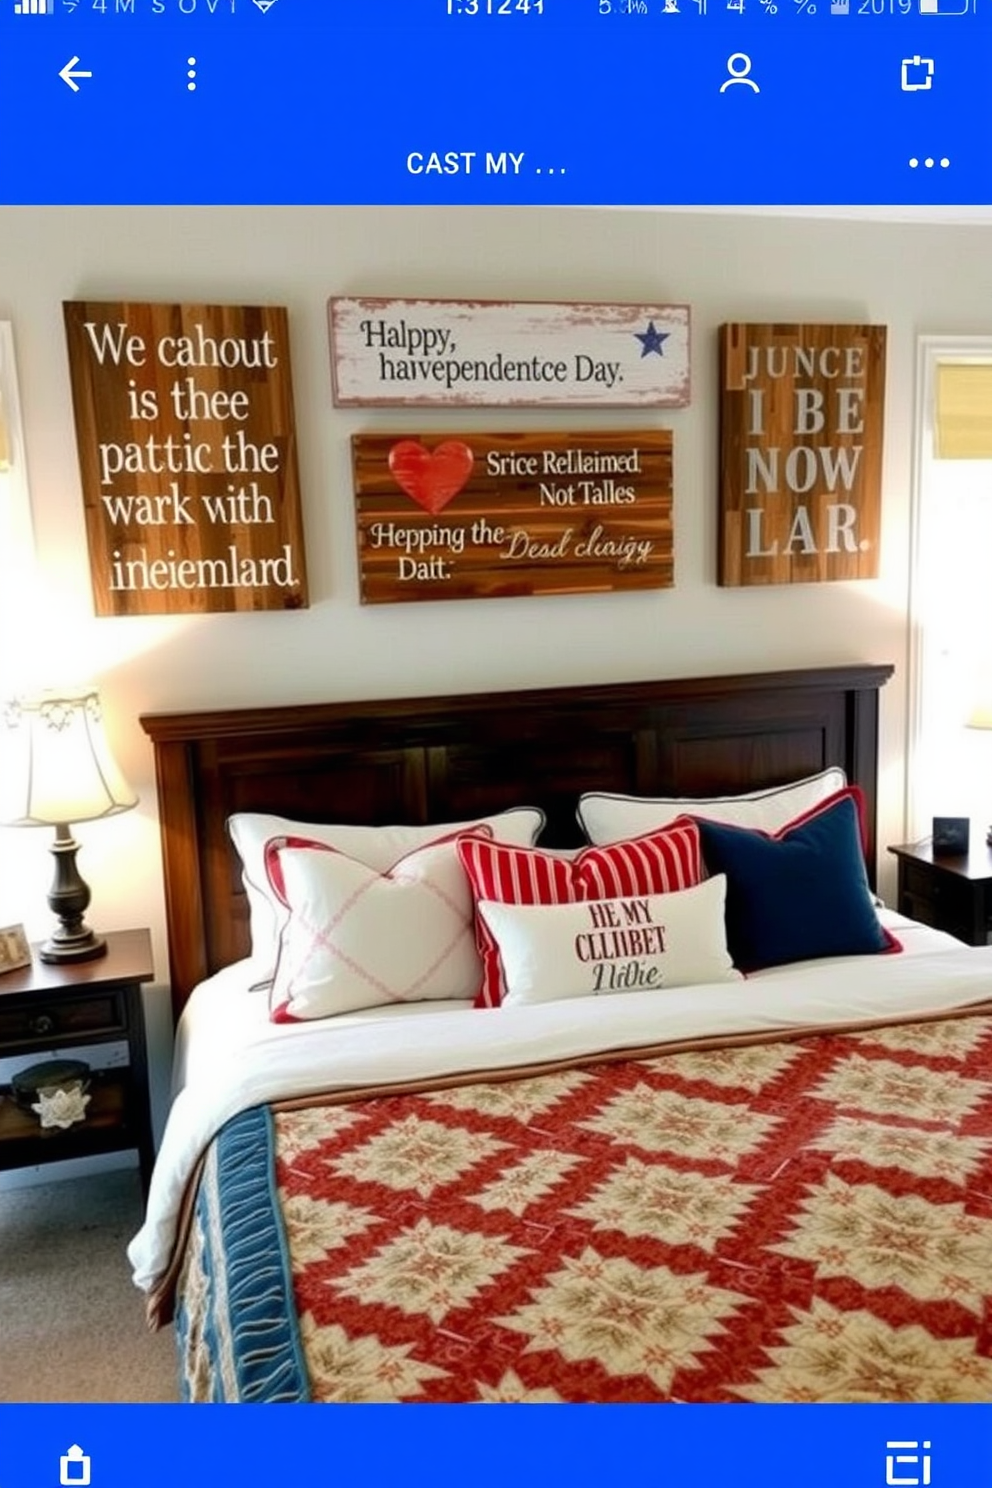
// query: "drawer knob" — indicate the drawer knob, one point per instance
point(44, 1023)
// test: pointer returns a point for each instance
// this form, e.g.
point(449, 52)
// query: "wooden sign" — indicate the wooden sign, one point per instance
point(187, 451)
point(801, 411)
point(470, 516)
point(453, 353)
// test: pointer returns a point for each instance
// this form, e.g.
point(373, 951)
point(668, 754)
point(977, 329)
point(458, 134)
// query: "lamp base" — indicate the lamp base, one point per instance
point(72, 940)
point(86, 947)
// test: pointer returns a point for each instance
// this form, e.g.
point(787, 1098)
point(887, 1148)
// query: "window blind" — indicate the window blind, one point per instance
point(963, 423)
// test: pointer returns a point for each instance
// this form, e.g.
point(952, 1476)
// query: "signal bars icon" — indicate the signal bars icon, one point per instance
point(34, 7)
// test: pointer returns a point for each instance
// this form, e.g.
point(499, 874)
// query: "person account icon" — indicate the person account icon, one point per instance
point(739, 65)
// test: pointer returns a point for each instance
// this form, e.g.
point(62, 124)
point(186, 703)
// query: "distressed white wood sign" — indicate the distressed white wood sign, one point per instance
point(500, 353)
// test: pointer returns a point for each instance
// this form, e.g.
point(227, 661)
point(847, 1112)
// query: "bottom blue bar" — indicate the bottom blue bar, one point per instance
point(792, 1446)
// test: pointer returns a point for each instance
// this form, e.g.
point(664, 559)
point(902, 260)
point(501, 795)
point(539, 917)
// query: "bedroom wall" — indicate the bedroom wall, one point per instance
point(912, 277)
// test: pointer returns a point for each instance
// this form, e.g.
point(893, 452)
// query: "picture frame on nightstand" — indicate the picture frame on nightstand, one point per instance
point(15, 952)
point(950, 834)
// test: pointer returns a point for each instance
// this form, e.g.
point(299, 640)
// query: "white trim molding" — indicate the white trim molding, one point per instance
point(931, 352)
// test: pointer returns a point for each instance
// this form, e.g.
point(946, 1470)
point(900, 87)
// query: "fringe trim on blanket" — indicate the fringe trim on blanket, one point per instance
point(242, 1342)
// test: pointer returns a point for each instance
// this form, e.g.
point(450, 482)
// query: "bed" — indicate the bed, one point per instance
point(769, 1188)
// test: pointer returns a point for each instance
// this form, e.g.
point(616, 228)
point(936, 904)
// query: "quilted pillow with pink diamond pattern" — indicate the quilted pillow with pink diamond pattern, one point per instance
point(356, 938)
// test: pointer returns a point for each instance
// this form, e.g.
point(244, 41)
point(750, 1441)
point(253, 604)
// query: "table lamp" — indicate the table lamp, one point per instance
point(56, 768)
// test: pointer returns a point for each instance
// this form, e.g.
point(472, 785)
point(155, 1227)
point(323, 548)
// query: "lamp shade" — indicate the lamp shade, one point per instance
point(980, 716)
point(55, 764)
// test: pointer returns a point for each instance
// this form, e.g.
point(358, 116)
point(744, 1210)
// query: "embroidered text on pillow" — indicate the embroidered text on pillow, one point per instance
point(657, 863)
point(644, 943)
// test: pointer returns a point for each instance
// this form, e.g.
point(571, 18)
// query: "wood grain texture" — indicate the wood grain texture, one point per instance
point(801, 417)
point(497, 353)
point(187, 453)
point(471, 516)
point(446, 759)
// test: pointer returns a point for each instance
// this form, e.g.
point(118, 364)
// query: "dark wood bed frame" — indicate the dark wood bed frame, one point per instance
point(444, 759)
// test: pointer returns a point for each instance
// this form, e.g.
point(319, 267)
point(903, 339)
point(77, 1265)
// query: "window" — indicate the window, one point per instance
point(950, 764)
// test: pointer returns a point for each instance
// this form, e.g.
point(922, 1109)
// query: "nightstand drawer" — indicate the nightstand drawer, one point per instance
point(48, 1006)
point(103, 1013)
point(919, 880)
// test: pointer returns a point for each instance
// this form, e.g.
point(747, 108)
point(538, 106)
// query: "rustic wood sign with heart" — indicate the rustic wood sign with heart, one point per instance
point(434, 477)
point(476, 516)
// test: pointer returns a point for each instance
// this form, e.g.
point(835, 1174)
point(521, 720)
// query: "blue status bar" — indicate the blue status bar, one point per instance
point(488, 102)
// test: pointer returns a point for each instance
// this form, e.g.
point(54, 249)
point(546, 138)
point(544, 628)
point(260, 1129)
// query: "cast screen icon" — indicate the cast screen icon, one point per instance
point(916, 74)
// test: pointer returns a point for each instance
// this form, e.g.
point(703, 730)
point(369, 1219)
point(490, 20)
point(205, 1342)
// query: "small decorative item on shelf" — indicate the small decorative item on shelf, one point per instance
point(14, 949)
point(55, 1090)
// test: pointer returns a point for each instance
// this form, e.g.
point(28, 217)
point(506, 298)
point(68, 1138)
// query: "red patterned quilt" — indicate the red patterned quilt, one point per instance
point(790, 1221)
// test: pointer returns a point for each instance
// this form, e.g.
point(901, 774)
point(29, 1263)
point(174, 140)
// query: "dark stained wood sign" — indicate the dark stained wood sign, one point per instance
point(187, 452)
point(801, 409)
point(470, 516)
point(503, 353)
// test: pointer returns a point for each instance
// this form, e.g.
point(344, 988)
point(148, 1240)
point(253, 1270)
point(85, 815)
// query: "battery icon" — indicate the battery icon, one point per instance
point(34, 7)
point(945, 7)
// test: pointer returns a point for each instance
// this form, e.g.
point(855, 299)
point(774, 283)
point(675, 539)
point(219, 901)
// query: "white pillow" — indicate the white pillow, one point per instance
point(354, 938)
point(378, 847)
point(607, 818)
point(600, 946)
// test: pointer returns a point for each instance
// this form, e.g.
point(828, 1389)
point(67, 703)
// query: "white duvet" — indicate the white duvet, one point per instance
point(230, 1057)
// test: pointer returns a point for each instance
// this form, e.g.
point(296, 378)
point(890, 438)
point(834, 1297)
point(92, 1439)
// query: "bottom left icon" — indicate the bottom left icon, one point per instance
point(74, 1468)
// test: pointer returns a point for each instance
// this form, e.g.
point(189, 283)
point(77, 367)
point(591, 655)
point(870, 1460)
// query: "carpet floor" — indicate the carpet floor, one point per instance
point(73, 1324)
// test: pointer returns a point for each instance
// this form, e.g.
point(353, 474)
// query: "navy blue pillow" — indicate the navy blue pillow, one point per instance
point(798, 895)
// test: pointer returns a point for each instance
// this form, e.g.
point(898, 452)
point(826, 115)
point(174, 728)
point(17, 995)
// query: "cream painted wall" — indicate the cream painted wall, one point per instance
point(911, 277)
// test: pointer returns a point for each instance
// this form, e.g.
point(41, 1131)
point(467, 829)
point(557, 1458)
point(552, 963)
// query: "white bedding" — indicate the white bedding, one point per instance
point(230, 1057)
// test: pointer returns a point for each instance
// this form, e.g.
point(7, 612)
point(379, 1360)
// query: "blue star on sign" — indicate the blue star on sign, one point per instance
point(651, 339)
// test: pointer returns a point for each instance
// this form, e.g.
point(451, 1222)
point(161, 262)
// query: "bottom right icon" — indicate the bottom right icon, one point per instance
point(901, 1455)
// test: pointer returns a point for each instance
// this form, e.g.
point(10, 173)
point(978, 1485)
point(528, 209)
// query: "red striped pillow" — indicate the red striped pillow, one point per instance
point(657, 863)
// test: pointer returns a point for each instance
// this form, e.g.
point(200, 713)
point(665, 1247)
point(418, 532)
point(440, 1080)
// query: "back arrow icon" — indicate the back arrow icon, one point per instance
point(69, 76)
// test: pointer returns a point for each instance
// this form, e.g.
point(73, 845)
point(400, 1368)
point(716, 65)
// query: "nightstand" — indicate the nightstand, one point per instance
point(46, 1007)
point(952, 893)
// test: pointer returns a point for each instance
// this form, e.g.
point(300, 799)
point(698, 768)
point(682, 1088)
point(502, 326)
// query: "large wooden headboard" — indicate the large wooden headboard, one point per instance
point(452, 758)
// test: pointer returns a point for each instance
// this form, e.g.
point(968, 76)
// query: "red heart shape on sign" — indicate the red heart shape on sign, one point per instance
point(431, 477)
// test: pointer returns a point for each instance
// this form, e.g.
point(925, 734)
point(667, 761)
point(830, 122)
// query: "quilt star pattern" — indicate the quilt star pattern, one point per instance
point(803, 1221)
